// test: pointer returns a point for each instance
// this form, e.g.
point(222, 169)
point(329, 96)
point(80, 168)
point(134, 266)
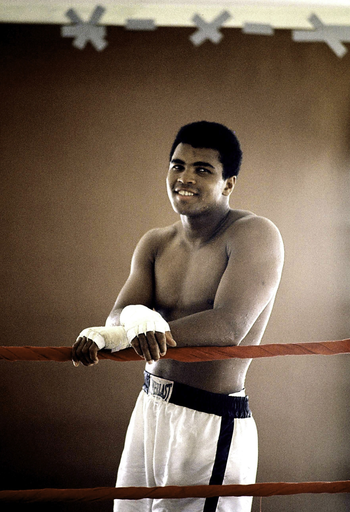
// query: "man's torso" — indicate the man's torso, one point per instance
point(186, 280)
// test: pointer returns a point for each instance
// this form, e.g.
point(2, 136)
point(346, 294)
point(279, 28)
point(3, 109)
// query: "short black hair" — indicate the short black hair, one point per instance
point(205, 134)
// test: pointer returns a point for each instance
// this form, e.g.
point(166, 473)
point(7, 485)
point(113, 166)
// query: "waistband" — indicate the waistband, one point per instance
point(197, 399)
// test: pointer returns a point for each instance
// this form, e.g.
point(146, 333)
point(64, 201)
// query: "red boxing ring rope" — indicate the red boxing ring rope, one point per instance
point(187, 354)
point(174, 492)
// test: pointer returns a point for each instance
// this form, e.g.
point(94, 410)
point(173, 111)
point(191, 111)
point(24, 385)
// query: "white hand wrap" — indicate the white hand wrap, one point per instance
point(112, 338)
point(140, 319)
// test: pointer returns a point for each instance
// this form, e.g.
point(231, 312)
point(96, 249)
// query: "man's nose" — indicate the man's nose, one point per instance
point(186, 177)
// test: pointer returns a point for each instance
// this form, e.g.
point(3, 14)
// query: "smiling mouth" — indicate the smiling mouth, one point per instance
point(185, 193)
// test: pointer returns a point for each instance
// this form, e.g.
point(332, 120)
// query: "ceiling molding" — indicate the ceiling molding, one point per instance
point(280, 15)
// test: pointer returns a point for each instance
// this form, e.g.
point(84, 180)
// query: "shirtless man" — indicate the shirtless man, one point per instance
point(208, 280)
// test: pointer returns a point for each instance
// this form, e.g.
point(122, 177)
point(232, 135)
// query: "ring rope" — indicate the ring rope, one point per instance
point(186, 354)
point(174, 492)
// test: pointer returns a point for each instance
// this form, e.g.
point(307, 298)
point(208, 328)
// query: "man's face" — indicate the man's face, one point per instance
point(195, 184)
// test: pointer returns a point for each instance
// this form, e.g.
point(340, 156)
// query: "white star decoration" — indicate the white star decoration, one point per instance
point(83, 32)
point(208, 30)
point(86, 31)
point(333, 35)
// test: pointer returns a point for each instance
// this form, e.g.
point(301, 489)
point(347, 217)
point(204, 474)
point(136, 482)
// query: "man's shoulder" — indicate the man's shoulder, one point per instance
point(162, 233)
point(249, 229)
point(244, 220)
point(157, 237)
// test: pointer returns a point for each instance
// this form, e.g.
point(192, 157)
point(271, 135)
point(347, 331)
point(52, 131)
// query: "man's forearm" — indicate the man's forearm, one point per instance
point(213, 327)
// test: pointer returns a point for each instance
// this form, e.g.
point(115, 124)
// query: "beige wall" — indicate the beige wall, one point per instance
point(85, 141)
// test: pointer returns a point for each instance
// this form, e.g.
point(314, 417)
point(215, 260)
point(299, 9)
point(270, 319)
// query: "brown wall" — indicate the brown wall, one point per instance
point(84, 146)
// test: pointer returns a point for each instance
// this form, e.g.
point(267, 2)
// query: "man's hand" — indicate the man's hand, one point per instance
point(147, 331)
point(152, 345)
point(84, 351)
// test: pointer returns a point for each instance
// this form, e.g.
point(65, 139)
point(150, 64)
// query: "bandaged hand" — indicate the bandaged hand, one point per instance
point(93, 339)
point(147, 331)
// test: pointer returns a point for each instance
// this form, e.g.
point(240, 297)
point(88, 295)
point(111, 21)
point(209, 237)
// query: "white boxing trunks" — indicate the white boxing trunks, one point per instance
point(180, 435)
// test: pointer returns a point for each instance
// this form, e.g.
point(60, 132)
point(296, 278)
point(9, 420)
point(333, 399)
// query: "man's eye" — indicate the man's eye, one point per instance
point(203, 170)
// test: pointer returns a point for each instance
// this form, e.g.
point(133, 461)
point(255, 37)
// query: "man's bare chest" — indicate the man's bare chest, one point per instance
point(186, 281)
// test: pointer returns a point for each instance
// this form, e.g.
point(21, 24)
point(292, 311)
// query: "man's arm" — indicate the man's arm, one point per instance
point(139, 287)
point(138, 290)
point(248, 285)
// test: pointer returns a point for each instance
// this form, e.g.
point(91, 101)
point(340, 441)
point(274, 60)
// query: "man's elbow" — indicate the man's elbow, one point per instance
point(226, 331)
point(231, 335)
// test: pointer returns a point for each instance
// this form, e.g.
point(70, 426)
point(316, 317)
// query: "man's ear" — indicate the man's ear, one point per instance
point(229, 185)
